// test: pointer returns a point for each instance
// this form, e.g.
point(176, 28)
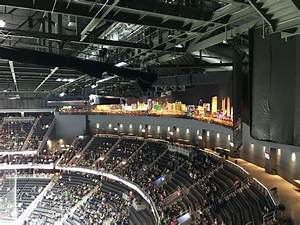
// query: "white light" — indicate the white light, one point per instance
point(264, 148)
point(116, 129)
point(218, 135)
point(97, 125)
point(59, 79)
point(198, 132)
point(130, 126)
point(94, 86)
point(2, 23)
point(121, 125)
point(149, 127)
point(158, 129)
point(279, 151)
point(177, 130)
point(207, 133)
point(252, 145)
point(228, 137)
point(187, 130)
point(231, 144)
point(200, 137)
point(65, 80)
point(71, 80)
point(140, 126)
point(106, 79)
point(62, 94)
point(293, 157)
point(109, 126)
point(168, 129)
point(121, 64)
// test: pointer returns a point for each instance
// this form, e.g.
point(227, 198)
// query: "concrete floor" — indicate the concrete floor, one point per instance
point(287, 192)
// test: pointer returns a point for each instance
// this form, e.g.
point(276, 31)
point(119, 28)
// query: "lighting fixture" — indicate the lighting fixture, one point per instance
point(121, 64)
point(2, 23)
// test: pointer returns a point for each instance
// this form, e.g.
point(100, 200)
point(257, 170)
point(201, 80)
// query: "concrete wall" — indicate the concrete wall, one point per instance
point(67, 127)
point(287, 163)
point(70, 126)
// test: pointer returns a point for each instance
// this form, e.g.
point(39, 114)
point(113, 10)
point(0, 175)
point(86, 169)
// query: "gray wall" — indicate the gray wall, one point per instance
point(70, 126)
point(254, 151)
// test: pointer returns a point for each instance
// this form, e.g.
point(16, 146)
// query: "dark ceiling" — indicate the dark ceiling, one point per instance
point(166, 37)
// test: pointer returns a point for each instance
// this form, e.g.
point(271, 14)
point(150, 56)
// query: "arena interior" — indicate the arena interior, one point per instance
point(149, 112)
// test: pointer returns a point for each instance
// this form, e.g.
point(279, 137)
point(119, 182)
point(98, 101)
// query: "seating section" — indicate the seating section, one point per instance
point(39, 132)
point(27, 189)
point(99, 147)
point(65, 194)
point(212, 190)
point(105, 206)
point(78, 145)
point(205, 186)
point(14, 133)
point(119, 155)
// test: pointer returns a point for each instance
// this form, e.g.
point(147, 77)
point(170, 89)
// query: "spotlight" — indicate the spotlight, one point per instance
point(2, 23)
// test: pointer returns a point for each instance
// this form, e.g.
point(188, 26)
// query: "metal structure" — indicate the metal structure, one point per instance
point(164, 36)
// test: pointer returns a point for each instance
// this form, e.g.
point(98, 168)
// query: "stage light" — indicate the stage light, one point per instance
point(293, 157)
point(2, 23)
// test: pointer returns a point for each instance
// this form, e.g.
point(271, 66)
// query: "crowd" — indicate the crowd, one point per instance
point(207, 187)
point(39, 132)
point(102, 207)
point(99, 147)
point(65, 194)
point(13, 134)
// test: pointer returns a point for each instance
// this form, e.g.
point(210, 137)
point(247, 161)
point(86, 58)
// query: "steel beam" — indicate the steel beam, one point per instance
point(176, 20)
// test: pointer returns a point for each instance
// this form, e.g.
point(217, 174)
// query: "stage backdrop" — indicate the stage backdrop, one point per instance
point(275, 69)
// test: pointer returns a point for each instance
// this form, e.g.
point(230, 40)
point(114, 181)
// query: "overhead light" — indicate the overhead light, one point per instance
point(65, 80)
point(59, 79)
point(106, 79)
point(71, 80)
point(225, 41)
point(62, 94)
point(2, 23)
point(94, 86)
point(121, 64)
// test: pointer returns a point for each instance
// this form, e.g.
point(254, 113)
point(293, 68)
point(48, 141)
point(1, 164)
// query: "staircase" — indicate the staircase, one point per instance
point(25, 145)
point(47, 135)
point(141, 172)
point(107, 153)
point(75, 158)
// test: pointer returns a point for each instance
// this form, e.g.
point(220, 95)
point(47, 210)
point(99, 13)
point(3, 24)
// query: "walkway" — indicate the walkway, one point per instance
point(287, 192)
